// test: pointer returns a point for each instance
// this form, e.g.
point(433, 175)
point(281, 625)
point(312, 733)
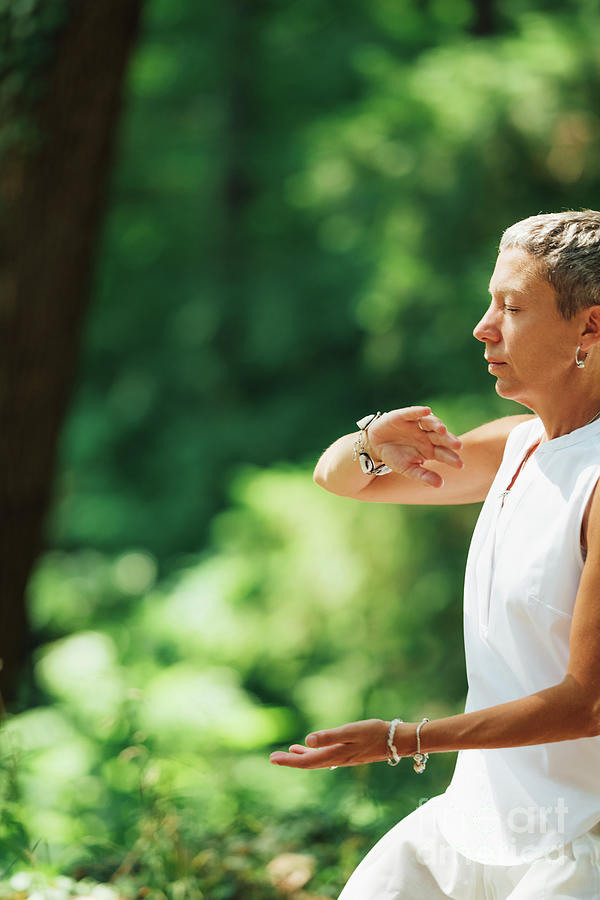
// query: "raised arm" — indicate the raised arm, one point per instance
point(431, 465)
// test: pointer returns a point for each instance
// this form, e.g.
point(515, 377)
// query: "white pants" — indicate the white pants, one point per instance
point(413, 861)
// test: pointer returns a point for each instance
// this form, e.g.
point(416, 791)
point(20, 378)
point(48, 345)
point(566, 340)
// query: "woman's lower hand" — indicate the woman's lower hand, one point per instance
point(349, 745)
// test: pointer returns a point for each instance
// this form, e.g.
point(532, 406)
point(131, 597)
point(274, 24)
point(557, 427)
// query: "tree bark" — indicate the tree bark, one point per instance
point(484, 18)
point(52, 198)
point(238, 190)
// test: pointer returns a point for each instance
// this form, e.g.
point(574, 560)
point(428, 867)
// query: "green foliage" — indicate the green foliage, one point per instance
point(37, 883)
point(303, 224)
point(148, 752)
point(303, 221)
point(28, 32)
point(14, 837)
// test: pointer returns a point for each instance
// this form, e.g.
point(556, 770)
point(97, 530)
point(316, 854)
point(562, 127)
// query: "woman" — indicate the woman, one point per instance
point(520, 817)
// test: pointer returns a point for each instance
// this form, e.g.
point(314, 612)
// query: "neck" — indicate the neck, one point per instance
point(557, 422)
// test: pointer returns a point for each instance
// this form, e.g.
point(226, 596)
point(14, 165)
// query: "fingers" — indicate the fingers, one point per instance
point(342, 735)
point(408, 462)
point(409, 458)
point(410, 413)
point(318, 739)
point(348, 745)
point(420, 473)
point(437, 432)
point(397, 428)
point(442, 454)
point(309, 758)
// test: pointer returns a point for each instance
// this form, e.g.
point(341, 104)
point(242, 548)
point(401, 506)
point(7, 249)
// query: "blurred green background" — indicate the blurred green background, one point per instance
point(304, 211)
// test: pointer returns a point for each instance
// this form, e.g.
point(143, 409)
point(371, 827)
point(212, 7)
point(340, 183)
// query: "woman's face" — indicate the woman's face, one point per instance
point(530, 347)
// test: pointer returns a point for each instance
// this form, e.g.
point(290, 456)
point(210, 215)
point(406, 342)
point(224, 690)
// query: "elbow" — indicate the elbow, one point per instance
point(588, 718)
point(325, 478)
point(591, 722)
point(581, 708)
point(319, 476)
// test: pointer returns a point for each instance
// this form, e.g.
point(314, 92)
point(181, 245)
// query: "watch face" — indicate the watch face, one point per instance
point(366, 463)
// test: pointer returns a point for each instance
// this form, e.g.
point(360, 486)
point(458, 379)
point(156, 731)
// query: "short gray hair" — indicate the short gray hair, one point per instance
point(567, 248)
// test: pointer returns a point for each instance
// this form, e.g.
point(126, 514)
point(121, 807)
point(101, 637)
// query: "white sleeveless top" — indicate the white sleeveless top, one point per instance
point(507, 806)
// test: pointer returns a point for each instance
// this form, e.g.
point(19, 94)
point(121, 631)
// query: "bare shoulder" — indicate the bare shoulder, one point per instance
point(590, 528)
point(585, 627)
point(481, 454)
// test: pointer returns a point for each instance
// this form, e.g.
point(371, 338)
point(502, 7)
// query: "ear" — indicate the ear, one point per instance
point(590, 327)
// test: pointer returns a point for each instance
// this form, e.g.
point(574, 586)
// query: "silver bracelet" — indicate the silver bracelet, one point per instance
point(420, 759)
point(367, 464)
point(393, 757)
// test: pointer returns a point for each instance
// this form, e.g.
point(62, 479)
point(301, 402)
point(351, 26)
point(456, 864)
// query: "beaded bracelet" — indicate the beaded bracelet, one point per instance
point(393, 757)
point(420, 759)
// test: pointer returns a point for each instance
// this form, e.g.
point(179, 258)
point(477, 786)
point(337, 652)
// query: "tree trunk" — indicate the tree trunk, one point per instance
point(52, 198)
point(238, 191)
point(484, 19)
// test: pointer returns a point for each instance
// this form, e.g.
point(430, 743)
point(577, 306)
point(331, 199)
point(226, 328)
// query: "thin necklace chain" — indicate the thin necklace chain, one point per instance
point(530, 452)
point(593, 419)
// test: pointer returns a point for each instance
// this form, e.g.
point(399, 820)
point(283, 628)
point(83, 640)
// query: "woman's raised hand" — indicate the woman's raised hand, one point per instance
point(405, 438)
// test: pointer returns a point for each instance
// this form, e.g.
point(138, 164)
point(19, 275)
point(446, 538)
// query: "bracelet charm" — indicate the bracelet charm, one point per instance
point(420, 759)
point(366, 462)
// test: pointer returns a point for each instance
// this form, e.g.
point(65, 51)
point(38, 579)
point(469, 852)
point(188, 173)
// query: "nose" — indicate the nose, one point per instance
point(486, 329)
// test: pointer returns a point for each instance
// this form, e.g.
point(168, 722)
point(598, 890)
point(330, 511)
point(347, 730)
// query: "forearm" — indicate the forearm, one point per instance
point(338, 472)
point(559, 713)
